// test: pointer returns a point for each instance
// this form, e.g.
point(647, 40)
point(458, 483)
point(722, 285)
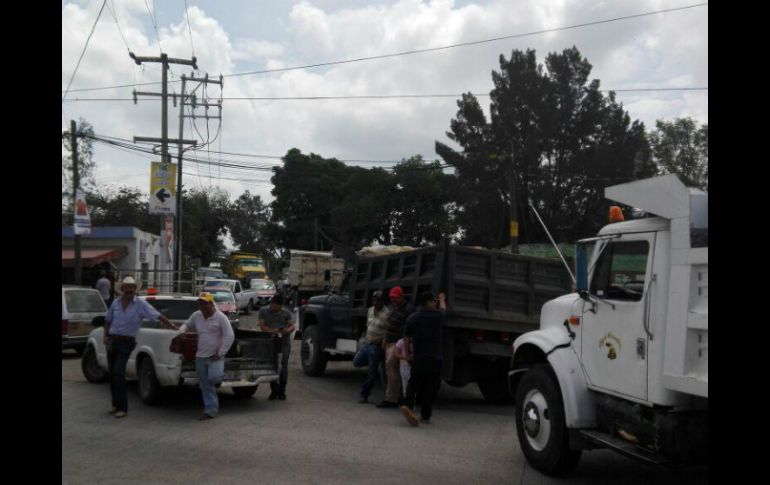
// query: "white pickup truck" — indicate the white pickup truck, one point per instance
point(246, 298)
point(164, 358)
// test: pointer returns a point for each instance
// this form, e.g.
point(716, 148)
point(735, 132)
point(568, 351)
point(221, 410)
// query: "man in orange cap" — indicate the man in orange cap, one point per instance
point(399, 311)
point(215, 336)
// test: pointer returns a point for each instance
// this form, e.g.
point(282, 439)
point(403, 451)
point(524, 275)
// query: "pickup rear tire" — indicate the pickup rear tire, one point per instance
point(149, 387)
point(90, 367)
point(540, 423)
point(245, 392)
point(312, 356)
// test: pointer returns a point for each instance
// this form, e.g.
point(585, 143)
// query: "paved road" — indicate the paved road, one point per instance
point(319, 435)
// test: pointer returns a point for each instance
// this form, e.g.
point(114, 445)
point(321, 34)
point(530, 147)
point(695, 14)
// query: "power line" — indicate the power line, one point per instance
point(115, 17)
point(154, 25)
point(397, 96)
point(189, 29)
point(84, 50)
point(271, 157)
point(434, 49)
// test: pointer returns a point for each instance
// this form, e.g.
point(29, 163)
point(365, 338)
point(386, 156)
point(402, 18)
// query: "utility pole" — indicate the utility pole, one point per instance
point(182, 116)
point(75, 184)
point(514, 223)
point(165, 158)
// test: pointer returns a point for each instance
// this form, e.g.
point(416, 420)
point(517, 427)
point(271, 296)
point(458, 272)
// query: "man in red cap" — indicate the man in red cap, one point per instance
point(399, 311)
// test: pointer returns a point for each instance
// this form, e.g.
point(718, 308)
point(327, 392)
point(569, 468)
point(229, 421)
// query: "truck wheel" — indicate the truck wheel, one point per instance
point(312, 357)
point(493, 383)
point(244, 392)
point(149, 387)
point(91, 369)
point(540, 423)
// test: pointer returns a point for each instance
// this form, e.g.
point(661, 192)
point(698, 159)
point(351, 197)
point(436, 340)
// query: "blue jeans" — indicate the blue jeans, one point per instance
point(118, 352)
point(209, 375)
point(283, 376)
point(371, 355)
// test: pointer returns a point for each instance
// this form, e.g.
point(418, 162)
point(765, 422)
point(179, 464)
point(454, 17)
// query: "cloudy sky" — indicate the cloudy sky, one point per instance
point(666, 50)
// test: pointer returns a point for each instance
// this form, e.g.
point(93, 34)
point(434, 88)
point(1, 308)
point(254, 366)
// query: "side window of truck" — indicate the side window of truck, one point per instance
point(620, 271)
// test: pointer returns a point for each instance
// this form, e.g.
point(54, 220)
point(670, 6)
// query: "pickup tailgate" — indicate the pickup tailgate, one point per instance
point(251, 360)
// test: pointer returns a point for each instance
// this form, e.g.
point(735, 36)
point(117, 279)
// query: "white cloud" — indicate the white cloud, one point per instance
point(644, 52)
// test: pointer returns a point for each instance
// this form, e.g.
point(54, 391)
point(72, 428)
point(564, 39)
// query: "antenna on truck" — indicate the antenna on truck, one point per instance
point(532, 206)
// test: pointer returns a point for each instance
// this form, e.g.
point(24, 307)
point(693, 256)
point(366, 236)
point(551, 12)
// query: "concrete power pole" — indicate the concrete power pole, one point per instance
point(75, 184)
point(182, 116)
point(165, 158)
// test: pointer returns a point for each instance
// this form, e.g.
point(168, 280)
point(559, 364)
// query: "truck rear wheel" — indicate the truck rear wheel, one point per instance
point(149, 387)
point(244, 392)
point(493, 382)
point(90, 367)
point(312, 356)
point(540, 423)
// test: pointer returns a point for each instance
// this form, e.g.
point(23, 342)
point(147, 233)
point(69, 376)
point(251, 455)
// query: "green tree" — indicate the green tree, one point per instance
point(422, 210)
point(363, 214)
point(125, 206)
point(568, 141)
point(680, 147)
point(247, 218)
point(306, 189)
point(204, 224)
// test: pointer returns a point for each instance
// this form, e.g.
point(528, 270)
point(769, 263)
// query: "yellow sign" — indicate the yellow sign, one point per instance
point(514, 229)
point(163, 188)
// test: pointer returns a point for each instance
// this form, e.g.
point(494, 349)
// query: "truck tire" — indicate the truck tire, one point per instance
point(244, 392)
point(90, 367)
point(540, 423)
point(493, 383)
point(149, 387)
point(312, 356)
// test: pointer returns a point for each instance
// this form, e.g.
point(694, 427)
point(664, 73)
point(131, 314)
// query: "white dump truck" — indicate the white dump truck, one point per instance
point(622, 363)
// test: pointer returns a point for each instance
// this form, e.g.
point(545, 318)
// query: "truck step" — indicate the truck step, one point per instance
point(606, 440)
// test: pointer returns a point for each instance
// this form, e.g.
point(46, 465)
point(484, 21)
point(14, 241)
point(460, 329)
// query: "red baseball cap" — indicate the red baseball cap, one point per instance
point(396, 292)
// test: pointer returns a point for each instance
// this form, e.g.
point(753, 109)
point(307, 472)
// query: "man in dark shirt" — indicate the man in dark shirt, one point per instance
point(395, 330)
point(422, 344)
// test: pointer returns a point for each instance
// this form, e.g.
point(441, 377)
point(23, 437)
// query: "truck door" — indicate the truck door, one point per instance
point(614, 337)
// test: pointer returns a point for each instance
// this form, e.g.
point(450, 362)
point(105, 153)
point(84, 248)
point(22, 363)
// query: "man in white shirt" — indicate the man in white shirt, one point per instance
point(215, 336)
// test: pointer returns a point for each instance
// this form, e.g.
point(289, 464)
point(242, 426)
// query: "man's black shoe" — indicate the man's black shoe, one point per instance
point(272, 397)
point(282, 396)
point(363, 400)
point(387, 404)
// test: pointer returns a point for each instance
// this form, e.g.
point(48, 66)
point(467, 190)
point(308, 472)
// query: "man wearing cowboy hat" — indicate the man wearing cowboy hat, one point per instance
point(215, 336)
point(122, 323)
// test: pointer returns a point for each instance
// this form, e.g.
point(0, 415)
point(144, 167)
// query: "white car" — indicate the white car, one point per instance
point(165, 358)
point(245, 297)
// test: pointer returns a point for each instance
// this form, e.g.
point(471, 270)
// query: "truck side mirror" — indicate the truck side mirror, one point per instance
point(581, 269)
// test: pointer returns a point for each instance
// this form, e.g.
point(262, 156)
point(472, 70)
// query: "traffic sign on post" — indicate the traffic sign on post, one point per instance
point(163, 188)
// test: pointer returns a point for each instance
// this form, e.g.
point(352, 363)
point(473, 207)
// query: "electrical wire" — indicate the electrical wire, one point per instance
point(98, 16)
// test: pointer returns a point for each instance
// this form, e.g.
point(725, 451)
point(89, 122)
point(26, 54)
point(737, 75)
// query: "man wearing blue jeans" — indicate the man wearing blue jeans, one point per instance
point(215, 336)
point(372, 353)
point(122, 323)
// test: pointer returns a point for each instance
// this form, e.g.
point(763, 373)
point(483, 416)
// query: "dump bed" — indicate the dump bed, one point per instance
point(307, 268)
point(486, 289)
